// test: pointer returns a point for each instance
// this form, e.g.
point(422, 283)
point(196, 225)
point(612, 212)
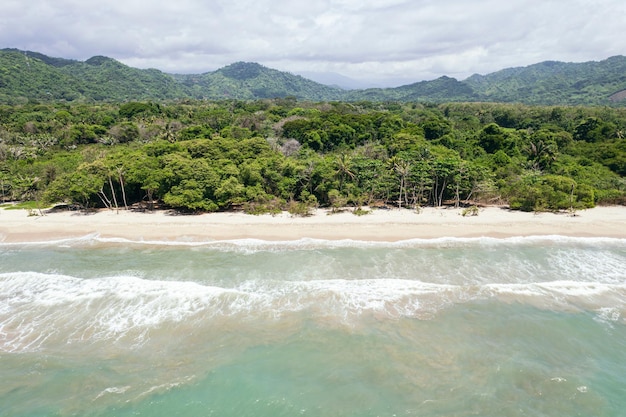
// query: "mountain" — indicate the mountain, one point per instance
point(248, 80)
point(545, 83)
point(346, 83)
point(108, 79)
point(553, 82)
point(440, 90)
point(30, 75)
point(26, 75)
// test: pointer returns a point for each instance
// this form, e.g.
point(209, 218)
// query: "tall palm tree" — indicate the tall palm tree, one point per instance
point(402, 168)
point(343, 164)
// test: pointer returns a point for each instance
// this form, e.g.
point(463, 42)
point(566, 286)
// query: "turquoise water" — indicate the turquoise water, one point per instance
point(447, 327)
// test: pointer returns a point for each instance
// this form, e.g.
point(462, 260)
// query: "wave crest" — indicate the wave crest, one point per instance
point(49, 309)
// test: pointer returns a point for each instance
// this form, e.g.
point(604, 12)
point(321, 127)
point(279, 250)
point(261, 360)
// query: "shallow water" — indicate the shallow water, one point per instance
point(454, 327)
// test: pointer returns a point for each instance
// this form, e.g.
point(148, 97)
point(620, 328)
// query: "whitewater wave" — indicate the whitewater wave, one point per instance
point(39, 309)
point(310, 243)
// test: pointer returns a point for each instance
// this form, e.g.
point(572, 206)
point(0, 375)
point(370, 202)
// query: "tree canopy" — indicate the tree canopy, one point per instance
point(272, 154)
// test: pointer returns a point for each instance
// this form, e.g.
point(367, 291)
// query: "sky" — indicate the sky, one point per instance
point(377, 42)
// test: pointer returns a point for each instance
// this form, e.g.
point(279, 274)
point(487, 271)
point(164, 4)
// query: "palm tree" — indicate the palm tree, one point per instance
point(542, 153)
point(402, 168)
point(343, 164)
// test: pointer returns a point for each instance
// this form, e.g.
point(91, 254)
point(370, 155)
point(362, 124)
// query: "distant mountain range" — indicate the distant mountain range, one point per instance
point(26, 75)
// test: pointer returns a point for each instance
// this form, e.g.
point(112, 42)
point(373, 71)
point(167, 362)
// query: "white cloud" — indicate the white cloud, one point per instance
point(366, 39)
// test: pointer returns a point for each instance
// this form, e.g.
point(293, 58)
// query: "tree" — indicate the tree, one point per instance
point(343, 164)
point(145, 172)
point(130, 110)
point(77, 188)
point(402, 169)
point(125, 132)
point(542, 149)
point(493, 138)
point(230, 191)
point(370, 178)
point(188, 195)
point(83, 133)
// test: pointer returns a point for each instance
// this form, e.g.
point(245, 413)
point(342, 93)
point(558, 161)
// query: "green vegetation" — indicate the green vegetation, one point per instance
point(269, 155)
point(23, 205)
point(31, 76)
point(249, 81)
point(26, 75)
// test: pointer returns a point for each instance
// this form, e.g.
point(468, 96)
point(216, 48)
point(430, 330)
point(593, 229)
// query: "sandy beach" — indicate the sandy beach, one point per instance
point(378, 225)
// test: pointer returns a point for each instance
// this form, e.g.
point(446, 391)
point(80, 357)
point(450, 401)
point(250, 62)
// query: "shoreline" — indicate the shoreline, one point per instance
point(389, 225)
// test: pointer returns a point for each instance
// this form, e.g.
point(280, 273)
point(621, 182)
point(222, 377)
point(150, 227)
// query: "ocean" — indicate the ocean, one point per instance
point(511, 327)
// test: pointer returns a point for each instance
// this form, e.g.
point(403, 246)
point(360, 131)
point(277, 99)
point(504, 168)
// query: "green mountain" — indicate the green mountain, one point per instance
point(30, 75)
point(26, 75)
point(545, 83)
point(443, 89)
point(247, 80)
point(107, 79)
point(554, 82)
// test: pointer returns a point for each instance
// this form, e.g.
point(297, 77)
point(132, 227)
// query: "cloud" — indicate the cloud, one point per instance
point(366, 39)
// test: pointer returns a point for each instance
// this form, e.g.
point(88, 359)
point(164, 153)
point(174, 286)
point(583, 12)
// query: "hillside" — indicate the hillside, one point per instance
point(248, 80)
point(443, 89)
point(551, 82)
point(26, 75)
point(29, 75)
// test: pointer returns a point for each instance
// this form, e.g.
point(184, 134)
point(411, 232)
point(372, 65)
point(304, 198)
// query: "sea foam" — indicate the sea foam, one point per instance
point(50, 308)
point(252, 244)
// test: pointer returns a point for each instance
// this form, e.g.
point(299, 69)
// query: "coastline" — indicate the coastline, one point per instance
point(391, 225)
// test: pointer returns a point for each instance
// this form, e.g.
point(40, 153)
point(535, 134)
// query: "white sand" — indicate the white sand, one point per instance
point(379, 225)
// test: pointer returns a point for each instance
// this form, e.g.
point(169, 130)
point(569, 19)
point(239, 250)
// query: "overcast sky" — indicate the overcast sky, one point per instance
point(385, 40)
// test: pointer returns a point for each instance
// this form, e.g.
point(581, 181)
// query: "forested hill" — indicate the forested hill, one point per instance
point(29, 75)
point(26, 75)
point(249, 81)
point(554, 83)
point(546, 83)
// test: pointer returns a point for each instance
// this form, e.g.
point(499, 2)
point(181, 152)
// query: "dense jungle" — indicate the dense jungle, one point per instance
point(268, 155)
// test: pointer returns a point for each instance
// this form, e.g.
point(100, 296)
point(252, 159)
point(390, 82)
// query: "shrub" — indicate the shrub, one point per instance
point(470, 211)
